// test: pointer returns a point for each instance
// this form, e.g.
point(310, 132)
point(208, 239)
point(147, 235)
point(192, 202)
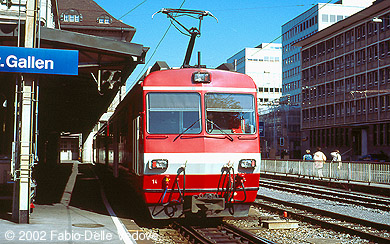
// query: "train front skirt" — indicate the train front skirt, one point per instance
point(201, 207)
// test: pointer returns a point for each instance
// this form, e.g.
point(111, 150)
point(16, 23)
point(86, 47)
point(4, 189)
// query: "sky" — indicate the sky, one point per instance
point(241, 24)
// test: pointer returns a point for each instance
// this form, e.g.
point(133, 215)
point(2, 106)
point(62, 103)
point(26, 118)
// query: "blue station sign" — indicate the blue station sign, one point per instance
point(39, 60)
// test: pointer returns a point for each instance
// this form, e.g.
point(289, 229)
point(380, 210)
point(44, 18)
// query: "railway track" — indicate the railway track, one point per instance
point(370, 201)
point(221, 233)
point(376, 232)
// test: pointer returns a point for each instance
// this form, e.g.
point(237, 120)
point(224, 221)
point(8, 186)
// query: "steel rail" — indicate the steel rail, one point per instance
point(328, 194)
point(189, 234)
point(248, 235)
point(338, 191)
point(221, 233)
point(307, 214)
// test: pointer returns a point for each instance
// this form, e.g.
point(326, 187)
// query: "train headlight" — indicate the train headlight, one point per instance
point(158, 164)
point(248, 163)
point(201, 77)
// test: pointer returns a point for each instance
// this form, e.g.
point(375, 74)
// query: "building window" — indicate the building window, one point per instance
point(358, 106)
point(388, 74)
point(370, 105)
point(104, 19)
point(363, 105)
point(383, 103)
point(71, 15)
point(325, 18)
point(347, 108)
point(388, 102)
point(387, 134)
point(375, 103)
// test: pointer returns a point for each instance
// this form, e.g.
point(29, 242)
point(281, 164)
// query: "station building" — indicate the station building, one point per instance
point(346, 84)
point(63, 109)
point(68, 105)
point(87, 17)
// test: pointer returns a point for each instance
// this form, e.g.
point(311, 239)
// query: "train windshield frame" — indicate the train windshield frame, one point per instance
point(231, 113)
point(174, 113)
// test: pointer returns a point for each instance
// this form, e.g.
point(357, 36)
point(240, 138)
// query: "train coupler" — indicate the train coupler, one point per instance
point(207, 203)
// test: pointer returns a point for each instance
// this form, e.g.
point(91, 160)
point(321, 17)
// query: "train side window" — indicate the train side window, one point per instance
point(173, 113)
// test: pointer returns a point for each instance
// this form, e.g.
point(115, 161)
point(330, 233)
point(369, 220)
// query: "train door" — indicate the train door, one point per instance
point(136, 164)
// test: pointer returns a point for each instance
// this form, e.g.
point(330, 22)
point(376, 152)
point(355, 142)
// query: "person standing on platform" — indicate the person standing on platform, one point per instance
point(308, 158)
point(319, 160)
point(336, 158)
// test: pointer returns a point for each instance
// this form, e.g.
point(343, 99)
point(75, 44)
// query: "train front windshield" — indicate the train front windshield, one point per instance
point(230, 113)
point(174, 113)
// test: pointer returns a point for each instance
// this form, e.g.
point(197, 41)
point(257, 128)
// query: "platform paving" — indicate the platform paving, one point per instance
point(81, 215)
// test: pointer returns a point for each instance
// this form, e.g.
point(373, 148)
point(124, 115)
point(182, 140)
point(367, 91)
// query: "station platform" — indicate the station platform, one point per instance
point(71, 207)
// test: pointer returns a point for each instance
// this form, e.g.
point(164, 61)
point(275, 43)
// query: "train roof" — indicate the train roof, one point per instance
point(185, 78)
point(171, 79)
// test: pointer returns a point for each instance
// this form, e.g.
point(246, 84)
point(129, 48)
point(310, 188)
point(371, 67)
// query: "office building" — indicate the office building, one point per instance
point(263, 65)
point(308, 23)
point(317, 18)
point(346, 85)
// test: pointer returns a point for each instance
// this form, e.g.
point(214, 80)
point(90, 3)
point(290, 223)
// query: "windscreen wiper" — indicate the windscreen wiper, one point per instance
point(219, 128)
point(189, 127)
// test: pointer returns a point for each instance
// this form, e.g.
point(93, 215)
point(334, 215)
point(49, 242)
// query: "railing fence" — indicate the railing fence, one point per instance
point(370, 172)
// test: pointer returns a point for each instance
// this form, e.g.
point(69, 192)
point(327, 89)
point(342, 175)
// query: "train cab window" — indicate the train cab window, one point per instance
point(173, 113)
point(230, 113)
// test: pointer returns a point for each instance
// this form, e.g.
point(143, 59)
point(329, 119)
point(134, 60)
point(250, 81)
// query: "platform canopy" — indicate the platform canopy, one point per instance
point(75, 103)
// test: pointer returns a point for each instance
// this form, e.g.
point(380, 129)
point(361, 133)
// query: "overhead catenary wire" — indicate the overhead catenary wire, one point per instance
point(155, 50)
point(132, 9)
point(235, 9)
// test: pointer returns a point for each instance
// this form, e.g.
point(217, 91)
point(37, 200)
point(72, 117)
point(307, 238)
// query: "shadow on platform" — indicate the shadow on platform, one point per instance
point(87, 194)
point(125, 202)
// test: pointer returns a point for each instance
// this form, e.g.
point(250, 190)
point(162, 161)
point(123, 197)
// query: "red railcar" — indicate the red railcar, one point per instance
point(189, 139)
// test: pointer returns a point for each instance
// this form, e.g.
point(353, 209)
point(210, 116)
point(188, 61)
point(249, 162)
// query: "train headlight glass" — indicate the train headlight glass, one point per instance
point(248, 163)
point(201, 77)
point(158, 164)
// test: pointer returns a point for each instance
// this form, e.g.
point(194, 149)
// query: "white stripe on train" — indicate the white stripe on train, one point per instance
point(197, 88)
point(199, 163)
